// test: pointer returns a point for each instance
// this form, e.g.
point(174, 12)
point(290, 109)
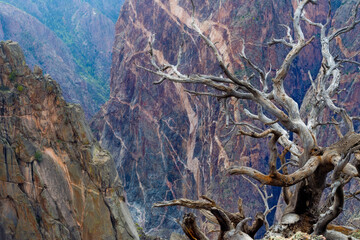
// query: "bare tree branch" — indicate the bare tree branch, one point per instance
point(191, 229)
point(334, 210)
point(330, 69)
point(208, 205)
point(280, 117)
point(265, 197)
point(206, 94)
point(260, 135)
point(351, 26)
point(353, 195)
point(279, 179)
point(255, 226)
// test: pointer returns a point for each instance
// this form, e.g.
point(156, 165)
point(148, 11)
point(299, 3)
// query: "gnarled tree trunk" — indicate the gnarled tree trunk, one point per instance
point(280, 115)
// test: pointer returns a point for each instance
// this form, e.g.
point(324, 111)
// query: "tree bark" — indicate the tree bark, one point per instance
point(191, 229)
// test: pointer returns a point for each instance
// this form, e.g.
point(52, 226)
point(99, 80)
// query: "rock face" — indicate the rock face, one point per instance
point(70, 40)
point(56, 182)
point(168, 144)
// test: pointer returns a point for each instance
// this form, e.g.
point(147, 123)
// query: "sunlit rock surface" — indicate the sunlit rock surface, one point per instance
point(56, 182)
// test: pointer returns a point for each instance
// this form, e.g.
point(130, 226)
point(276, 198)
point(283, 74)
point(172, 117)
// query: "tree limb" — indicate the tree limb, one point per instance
point(334, 210)
point(191, 229)
point(265, 197)
point(279, 179)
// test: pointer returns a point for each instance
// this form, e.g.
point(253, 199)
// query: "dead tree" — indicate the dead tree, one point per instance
point(228, 221)
point(280, 115)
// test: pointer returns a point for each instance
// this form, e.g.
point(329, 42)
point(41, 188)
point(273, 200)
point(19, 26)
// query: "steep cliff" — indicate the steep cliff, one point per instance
point(168, 144)
point(70, 40)
point(56, 182)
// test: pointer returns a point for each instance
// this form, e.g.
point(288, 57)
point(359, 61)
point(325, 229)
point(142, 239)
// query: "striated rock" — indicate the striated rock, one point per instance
point(56, 182)
point(168, 144)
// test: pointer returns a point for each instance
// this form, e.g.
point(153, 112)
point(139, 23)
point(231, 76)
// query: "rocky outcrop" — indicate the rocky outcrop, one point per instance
point(56, 182)
point(73, 44)
point(168, 144)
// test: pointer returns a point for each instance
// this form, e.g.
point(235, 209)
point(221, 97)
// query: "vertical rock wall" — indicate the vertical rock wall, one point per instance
point(56, 182)
point(168, 144)
point(72, 41)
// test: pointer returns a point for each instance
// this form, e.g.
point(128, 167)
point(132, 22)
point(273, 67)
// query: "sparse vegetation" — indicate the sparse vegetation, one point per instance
point(20, 88)
point(142, 234)
point(50, 89)
point(12, 76)
point(38, 156)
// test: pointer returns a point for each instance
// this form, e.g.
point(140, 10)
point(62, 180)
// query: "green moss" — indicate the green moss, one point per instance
point(140, 231)
point(12, 76)
point(20, 88)
point(38, 156)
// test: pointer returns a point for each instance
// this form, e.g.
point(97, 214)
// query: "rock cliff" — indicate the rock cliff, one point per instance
point(56, 182)
point(168, 144)
point(72, 41)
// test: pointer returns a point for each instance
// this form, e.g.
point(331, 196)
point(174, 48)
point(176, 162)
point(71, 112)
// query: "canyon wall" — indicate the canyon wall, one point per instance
point(169, 144)
point(56, 182)
point(72, 41)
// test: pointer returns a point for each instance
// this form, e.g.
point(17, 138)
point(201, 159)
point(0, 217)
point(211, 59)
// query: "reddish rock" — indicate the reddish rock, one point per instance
point(56, 182)
point(168, 144)
point(71, 41)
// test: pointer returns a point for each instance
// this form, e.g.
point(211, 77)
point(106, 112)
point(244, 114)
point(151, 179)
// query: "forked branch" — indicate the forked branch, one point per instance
point(191, 229)
point(278, 179)
point(225, 219)
point(280, 115)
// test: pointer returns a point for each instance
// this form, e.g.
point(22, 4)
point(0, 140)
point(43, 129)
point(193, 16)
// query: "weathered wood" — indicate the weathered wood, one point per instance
point(191, 229)
point(283, 117)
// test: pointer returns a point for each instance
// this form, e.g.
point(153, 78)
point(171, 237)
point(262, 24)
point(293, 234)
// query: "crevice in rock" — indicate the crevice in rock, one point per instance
point(112, 218)
point(6, 164)
point(32, 172)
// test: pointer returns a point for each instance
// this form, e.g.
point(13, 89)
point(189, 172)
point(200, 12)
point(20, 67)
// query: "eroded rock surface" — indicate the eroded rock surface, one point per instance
point(56, 182)
point(72, 41)
point(168, 144)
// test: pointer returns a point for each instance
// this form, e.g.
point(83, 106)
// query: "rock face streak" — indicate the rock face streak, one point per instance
point(168, 144)
point(56, 182)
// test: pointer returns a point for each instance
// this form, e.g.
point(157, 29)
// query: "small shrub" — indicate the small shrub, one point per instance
point(12, 76)
point(38, 156)
point(50, 89)
point(20, 88)
point(139, 230)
